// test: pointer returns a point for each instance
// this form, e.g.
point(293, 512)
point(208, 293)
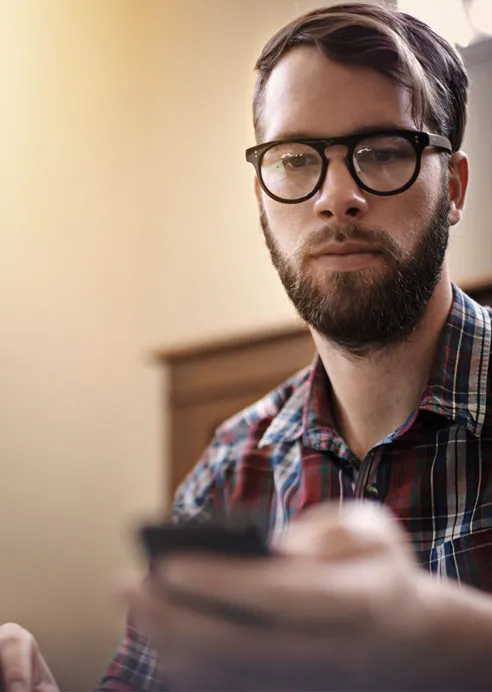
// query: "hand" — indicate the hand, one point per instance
point(346, 605)
point(22, 666)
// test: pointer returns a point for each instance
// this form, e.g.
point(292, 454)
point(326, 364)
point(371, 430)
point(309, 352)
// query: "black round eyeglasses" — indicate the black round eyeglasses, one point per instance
point(383, 163)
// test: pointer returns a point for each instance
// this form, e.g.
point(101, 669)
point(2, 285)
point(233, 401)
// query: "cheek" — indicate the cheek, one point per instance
point(288, 223)
point(428, 190)
point(408, 215)
point(402, 220)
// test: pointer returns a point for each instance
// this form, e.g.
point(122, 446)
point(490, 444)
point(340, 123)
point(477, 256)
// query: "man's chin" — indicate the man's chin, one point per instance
point(366, 279)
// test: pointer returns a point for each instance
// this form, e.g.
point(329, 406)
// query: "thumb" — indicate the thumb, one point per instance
point(331, 533)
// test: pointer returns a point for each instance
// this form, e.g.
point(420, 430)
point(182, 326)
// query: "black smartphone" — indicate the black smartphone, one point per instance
point(235, 540)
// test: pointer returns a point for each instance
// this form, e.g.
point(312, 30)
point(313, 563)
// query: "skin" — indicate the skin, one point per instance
point(22, 665)
point(347, 571)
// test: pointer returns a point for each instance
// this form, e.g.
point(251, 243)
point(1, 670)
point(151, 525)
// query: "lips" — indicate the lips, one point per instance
point(347, 248)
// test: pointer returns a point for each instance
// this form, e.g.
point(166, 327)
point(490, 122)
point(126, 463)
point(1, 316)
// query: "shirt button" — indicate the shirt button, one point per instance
point(371, 492)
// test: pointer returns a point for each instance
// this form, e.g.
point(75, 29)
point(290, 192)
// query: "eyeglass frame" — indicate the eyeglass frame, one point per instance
point(419, 140)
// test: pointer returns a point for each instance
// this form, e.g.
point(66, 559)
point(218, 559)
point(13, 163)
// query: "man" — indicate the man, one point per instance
point(359, 114)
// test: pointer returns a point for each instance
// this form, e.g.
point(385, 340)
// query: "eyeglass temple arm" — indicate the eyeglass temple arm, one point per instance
point(440, 142)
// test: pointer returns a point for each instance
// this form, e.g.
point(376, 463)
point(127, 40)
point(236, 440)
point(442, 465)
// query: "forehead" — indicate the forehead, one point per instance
point(309, 95)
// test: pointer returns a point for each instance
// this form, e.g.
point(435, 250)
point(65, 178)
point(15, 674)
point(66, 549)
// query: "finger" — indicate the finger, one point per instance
point(354, 532)
point(182, 631)
point(16, 659)
point(158, 614)
point(277, 591)
point(41, 674)
point(192, 647)
point(216, 654)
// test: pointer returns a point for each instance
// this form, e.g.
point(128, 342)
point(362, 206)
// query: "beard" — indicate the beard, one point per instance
point(368, 310)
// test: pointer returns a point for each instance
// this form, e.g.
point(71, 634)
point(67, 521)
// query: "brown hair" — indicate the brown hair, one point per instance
point(389, 41)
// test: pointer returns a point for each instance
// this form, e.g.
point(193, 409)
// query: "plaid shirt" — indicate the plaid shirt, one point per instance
point(434, 471)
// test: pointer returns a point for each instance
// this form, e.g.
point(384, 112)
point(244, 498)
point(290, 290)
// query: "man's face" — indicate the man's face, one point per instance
point(359, 268)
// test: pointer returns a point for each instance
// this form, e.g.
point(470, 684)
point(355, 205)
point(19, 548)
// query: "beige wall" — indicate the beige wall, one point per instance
point(112, 242)
point(127, 222)
point(471, 241)
point(78, 405)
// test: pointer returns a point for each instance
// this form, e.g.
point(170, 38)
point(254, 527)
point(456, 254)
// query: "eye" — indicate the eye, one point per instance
point(385, 155)
point(382, 155)
point(297, 161)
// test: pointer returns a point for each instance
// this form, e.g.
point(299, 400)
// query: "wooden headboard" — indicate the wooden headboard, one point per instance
point(210, 382)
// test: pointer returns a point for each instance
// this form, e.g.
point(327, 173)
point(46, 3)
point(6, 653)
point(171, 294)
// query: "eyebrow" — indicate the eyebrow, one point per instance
point(366, 130)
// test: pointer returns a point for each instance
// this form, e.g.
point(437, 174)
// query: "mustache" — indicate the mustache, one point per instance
point(377, 239)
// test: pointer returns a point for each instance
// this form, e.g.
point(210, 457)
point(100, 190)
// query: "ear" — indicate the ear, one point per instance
point(458, 184)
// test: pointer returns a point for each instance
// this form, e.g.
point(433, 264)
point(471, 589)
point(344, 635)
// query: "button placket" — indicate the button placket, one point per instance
point(366, 487)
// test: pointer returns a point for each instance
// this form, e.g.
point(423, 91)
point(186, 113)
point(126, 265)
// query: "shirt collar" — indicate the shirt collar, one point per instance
point(457, 388)
point(287, 426)
point(458, 385)
point(306, 412)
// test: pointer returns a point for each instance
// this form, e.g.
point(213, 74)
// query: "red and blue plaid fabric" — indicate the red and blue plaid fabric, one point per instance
point(283, 454)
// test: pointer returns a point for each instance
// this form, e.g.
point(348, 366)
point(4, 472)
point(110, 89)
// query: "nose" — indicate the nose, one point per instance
point(339, 198)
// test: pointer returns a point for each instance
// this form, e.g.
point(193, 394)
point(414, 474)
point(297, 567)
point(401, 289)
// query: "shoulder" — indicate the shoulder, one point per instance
point(251, 423)
point(236, 443)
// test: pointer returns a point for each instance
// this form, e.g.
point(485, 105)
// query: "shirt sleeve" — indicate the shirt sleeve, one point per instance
point(134, 667)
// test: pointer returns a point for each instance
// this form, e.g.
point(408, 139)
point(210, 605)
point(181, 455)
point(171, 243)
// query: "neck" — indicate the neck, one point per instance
point(373, 395)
